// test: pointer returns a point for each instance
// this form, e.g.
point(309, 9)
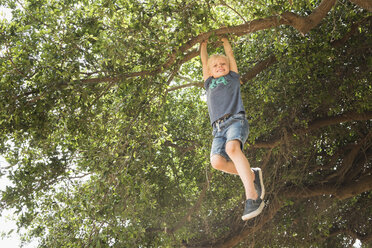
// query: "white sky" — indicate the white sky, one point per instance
point(6, 223)
point(5, 13)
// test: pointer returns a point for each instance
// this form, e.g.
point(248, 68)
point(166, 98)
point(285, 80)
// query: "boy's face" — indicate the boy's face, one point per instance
point(219, 67)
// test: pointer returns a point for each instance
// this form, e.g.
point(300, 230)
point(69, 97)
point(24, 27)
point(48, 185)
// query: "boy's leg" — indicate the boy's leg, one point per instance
point(221, 163)
point(253, 203)
point(242, 167)
point(251, 178)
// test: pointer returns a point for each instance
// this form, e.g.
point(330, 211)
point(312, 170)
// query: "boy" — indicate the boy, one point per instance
point(230, 126)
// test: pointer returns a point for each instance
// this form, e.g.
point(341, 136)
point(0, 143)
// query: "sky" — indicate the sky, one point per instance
point(5, 13)
point(6, 223)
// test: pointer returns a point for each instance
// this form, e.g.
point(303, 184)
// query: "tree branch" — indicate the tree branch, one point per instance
point(302, 24)
point(259, 67)
point(341, 191)
point(364, 4)
point(190, 84)
point(355, 235)
point(353, 29)
point(185, 86)
point(236, 12)
point(305, 24)
point(316, 124)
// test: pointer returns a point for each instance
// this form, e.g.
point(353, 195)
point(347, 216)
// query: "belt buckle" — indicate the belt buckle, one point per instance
point(225, 117)
point(222, 119)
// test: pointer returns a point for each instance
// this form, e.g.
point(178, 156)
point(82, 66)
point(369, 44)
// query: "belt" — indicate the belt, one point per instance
point(222, 119)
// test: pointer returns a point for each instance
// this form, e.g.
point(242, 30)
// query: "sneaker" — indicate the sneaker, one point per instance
point(258, 182)
point(252, 208)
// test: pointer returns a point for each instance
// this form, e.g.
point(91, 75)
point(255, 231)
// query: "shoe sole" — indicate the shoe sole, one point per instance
point(254, 213)
point(261, 181)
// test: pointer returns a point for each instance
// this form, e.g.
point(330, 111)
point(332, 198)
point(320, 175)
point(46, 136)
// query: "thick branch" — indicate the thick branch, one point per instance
point(365, 4)
point(327, 121)
point(259, 67)
point(317, 124)
point(342, 191)
point(349, 167)
point(305, 24)
point(353, 29)
point(354, 188)
point(355, 235)
point(190, 84)
point(185, 86)
point(302, 24)
point(117, 78)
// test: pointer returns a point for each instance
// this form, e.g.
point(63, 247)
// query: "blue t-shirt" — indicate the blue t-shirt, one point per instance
point(223, 96)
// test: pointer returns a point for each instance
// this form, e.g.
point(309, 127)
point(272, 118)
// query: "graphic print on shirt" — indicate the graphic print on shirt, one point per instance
point(217, 81)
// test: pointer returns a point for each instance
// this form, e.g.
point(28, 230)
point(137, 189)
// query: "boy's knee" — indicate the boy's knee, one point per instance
point(233, 147)
point(218, 162)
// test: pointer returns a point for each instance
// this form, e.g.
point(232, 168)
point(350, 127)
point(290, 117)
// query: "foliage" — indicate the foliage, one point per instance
point(108, 141)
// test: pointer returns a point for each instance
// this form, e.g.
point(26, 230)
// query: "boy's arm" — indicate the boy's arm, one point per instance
point(204, 59)
point(229, 53)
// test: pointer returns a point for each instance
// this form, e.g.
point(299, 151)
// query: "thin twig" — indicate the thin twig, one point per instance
point(236, 12)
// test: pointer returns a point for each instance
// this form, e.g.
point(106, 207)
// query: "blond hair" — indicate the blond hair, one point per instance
point(216, 56)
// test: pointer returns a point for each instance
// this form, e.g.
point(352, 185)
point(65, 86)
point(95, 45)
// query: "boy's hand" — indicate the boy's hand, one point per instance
point(224, 38)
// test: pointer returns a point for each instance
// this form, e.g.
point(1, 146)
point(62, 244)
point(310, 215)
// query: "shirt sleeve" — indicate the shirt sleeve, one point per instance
point(207, 82)
point(234, 75)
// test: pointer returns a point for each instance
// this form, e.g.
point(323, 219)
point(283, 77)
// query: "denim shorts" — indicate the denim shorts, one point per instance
point(235, 127)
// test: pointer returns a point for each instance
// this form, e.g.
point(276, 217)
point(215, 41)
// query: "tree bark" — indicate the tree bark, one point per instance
point(364, 4)
point(316, 124)
point(259, 67)
point(340, 191)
